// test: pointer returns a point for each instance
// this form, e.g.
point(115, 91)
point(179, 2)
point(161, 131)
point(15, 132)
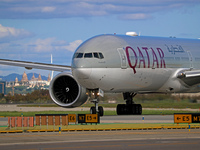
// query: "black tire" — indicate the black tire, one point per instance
point(122, 109)
point(136, 109)
point(139, 109)
point(119, 109)
point(133, 109)
point(101, 111)
point(93, 110)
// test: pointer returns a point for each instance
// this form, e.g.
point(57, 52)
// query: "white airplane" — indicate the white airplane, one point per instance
point(123, 64)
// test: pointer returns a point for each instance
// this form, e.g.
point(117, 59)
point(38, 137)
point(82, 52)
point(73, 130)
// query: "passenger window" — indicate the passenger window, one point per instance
point(88, 55)
point(101, 56)
point(79, 55)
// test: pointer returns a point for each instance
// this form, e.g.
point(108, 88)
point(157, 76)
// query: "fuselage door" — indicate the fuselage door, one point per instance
point(190, 59)
point(123, 58)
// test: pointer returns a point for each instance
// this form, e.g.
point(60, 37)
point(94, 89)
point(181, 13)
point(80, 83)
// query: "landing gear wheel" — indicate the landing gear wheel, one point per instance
point(131, 109)
point(100, 111)
point(121, 109)
point(119, 112)
point(134, 109)
point(139, 109)
point(93, 110)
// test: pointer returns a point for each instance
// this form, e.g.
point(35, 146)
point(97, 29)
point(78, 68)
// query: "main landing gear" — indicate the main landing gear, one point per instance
point(129, 108)
point(96, 109)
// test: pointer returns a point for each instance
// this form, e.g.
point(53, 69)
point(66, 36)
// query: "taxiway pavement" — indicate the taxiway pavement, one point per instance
point(134, 139)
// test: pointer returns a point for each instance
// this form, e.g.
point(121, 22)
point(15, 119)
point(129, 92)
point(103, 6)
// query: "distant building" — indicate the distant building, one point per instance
point(37, 81)
point(24, 77)
point(16, 82)
point(3, 87)
point(30, 83)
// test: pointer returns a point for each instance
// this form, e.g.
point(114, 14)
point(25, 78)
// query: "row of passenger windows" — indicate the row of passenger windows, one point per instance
point(89, 55)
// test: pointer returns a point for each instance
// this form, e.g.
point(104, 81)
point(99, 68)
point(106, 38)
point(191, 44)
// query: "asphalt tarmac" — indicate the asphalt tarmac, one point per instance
point(133, 139)
point(138, 119)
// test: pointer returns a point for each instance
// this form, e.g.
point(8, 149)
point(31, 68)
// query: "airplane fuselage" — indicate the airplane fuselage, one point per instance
point(121, 63)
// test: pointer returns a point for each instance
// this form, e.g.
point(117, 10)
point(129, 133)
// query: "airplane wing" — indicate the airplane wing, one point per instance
point(30, 65)
point(190, 77)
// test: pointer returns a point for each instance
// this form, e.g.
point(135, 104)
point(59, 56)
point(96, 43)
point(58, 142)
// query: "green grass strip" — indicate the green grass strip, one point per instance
point(164, 104)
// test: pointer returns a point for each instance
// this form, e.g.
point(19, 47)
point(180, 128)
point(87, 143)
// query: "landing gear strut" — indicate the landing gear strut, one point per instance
point(129, 108)
point(96, 109)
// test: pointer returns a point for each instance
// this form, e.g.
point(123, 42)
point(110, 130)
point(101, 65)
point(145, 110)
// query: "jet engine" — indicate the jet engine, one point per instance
point(66, 92)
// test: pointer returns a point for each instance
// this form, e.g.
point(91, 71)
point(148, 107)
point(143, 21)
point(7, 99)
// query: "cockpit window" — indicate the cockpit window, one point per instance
point(101, 56)
point(88, 55)
point(96, 55)
point(79, 55)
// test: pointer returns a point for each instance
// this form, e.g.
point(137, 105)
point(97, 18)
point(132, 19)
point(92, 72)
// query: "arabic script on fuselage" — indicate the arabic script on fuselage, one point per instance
point(175, 49)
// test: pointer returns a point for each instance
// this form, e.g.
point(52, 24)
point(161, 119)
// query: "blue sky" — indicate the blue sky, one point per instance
point(32, 30)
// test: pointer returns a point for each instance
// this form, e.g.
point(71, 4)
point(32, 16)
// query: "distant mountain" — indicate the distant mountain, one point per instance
point(11, 77)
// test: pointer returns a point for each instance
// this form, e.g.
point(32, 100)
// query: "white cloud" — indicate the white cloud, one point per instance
point(135, 16)
point(9, 34)
point(42, 45)
point(48, 9)
point(73, 45)
point(51, 44)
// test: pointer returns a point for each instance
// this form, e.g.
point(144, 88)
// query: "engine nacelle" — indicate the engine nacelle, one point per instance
point(66, 92)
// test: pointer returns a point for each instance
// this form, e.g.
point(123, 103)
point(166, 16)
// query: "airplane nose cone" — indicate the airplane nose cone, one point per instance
point(81, 68)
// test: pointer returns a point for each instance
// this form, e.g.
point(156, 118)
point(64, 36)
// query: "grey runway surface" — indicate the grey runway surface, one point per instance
point(139, 139)
point(138, 119)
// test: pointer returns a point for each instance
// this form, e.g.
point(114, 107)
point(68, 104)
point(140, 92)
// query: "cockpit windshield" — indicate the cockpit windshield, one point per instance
point(97, 55)
point(101, 56)
point(78, 55)
point(88, 55)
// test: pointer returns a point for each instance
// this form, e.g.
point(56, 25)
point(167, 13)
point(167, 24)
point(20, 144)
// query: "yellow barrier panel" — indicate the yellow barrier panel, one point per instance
point(187, 118)
point(72, 118)
point(182, 118)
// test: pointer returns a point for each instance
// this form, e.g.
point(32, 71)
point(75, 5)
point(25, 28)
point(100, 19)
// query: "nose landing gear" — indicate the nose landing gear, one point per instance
point(96, 109)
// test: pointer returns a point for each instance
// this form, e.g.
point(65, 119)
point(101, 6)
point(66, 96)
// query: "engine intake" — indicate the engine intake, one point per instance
point(66, 92)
